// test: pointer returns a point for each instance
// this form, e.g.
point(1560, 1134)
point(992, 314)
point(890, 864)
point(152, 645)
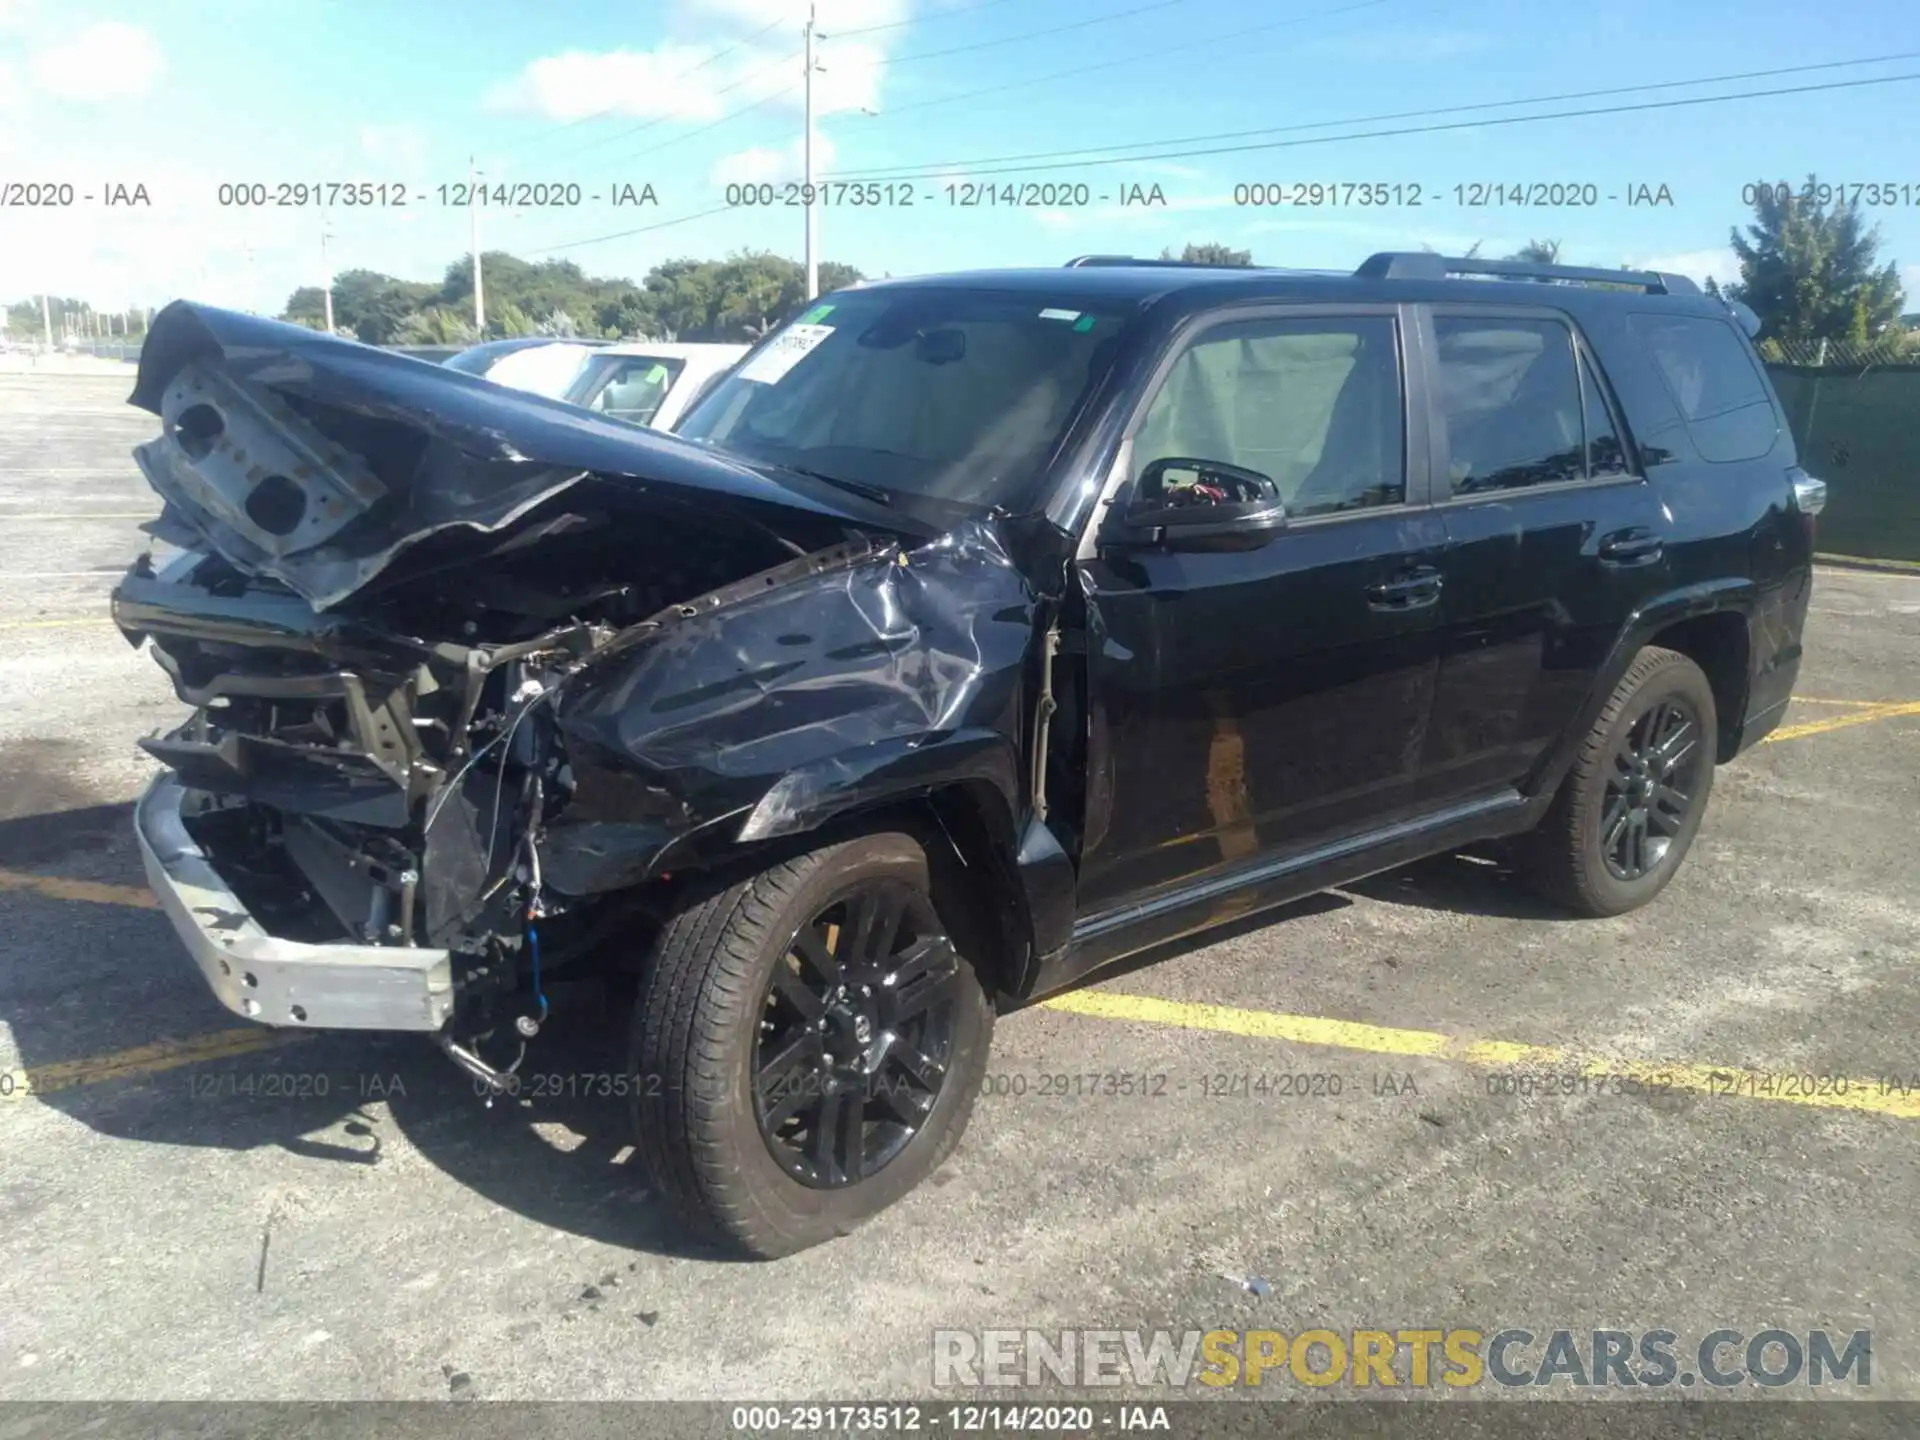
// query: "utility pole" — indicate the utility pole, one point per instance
point(473, 215)
point(813, 258)
point(326, 276)
point(46, 320)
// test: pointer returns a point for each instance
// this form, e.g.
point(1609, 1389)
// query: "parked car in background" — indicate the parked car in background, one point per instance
point(650, 382)
point(538, 363)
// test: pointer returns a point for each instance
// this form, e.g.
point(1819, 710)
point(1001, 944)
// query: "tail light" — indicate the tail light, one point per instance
point(1809, 497)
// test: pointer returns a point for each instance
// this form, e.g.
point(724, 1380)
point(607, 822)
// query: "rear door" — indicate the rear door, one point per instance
point(1554, 538)
point(1251, 701)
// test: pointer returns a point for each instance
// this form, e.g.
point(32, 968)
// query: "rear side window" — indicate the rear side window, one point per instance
point(1714, 381)
point(1511, 404)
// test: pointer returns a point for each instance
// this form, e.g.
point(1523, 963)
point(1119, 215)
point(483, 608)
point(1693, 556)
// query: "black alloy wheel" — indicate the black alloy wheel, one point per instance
point(857, 1035)
point(1626, 814)
point(1650, 792)
point(809, 1040)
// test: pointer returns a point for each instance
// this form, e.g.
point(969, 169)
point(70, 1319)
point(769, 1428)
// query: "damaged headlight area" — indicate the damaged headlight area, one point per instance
point(389, 575)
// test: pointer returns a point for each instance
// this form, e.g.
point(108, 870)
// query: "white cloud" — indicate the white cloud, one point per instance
point(772, 164)
point(691, 82)
point(14, 14)
point(105, 61)
point(1697, 265)
point(402, 146)
point(652, 84)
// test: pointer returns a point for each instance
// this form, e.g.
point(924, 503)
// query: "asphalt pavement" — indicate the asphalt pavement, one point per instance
point(1310, 1121)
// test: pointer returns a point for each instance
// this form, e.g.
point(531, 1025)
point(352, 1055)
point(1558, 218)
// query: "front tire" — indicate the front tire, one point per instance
point(807, 1046)
point(1630, 806)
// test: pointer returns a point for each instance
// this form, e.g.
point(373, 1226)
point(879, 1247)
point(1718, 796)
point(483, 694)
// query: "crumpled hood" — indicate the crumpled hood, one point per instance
point(327, 464)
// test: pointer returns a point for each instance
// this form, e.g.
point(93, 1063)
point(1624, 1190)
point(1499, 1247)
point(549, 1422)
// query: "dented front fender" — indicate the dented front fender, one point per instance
point(892, 676)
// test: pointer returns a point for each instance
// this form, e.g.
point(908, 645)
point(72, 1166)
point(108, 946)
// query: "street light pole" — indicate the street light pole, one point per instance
point(813, 259)
point(473, 215)
point(326, 277)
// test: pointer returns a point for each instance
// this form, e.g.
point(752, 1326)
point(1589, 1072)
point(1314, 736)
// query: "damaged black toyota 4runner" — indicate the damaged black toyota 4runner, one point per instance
point(976, 631)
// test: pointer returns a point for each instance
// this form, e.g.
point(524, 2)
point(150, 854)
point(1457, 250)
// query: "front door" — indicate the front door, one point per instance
point(1251, 701)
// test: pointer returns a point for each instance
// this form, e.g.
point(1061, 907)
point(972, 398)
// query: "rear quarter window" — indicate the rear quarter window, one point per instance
point(1715, 383)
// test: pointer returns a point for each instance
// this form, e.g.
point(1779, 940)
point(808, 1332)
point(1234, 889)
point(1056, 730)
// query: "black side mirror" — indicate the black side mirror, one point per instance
point(1182, 503)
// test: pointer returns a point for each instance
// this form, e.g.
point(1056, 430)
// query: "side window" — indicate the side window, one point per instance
point(1714, 381)
point(1509, 403)
point(1314, 404)
point(1605, 454)
point(634, 389)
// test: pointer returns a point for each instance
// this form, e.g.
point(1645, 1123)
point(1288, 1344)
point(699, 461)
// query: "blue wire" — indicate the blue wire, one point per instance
point(533, 941)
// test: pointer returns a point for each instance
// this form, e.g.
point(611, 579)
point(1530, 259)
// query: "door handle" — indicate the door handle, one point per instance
point(1412, 590)
point(1631, 547)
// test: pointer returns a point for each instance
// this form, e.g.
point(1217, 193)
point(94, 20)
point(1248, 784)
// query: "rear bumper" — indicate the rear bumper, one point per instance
point(275, 981)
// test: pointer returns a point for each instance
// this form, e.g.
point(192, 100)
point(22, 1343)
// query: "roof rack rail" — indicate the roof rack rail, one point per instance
point(1421, 265)
point(1129, 260)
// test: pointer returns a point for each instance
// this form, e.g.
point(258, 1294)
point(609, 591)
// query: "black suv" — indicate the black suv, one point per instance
point(976, 631)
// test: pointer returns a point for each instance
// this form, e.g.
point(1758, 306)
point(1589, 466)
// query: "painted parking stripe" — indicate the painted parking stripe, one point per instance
point(152, 1059)
point(57, 887)
point(1864, 716)
point(1298, 1029)
point(1871, 1096)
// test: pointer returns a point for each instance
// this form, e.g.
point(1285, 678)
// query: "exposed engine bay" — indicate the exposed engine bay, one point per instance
point(474, 672)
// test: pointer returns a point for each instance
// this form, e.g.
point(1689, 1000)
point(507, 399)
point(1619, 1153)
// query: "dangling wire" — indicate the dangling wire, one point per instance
point(533, 932)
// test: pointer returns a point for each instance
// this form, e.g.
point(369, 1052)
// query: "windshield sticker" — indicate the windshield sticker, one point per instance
point(784, 351)
point(1086, 323)
point(1059, 314)
point(816, 315)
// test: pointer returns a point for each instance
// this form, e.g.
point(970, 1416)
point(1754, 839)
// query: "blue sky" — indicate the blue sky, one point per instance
point(182, 95)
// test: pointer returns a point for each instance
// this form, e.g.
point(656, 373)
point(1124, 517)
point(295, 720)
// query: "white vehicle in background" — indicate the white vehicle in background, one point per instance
point(649, 382)
point(537, 363)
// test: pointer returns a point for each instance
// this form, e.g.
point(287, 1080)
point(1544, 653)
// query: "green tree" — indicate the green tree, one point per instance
point(1812, 272)
point(1538, 252)
point(436, 326)
point(1209, 254)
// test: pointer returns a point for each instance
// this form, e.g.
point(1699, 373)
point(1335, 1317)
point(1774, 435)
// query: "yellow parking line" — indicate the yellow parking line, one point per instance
point(57, 887)
point(1822, 700)
point(1840, 722)
point(1823, 1092)
point(142, 1060)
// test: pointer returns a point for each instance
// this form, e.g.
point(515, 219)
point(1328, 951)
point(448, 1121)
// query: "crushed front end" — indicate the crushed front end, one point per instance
point(388, 577)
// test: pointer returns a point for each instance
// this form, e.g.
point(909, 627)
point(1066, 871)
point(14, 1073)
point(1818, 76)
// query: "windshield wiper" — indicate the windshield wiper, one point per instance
point(855, 487)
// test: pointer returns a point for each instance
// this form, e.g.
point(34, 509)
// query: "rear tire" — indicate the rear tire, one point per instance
point(1630, 806)
point(807, 1046)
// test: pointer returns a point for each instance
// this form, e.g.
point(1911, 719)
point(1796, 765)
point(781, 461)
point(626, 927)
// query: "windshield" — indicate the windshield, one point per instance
point(959, 395)
point(627, 387)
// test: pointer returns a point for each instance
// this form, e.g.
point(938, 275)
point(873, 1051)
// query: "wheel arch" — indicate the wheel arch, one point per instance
point(1711, 624)
point(960, 793)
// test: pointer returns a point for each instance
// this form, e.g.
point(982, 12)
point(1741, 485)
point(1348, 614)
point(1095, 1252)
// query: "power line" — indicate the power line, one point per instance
point(623, 234)
point(1430, 129)
point(718, 55)
point(932, 168)
point(1153, 54)
point(646, 125)
point(918, 19)
point(1032, 34)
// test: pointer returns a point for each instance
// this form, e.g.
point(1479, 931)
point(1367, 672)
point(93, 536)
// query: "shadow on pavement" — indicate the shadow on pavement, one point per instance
point(81, 979)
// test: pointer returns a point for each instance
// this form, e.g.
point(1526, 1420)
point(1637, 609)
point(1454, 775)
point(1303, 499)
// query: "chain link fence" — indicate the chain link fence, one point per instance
point(1852, 410)
point(1845, 356)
